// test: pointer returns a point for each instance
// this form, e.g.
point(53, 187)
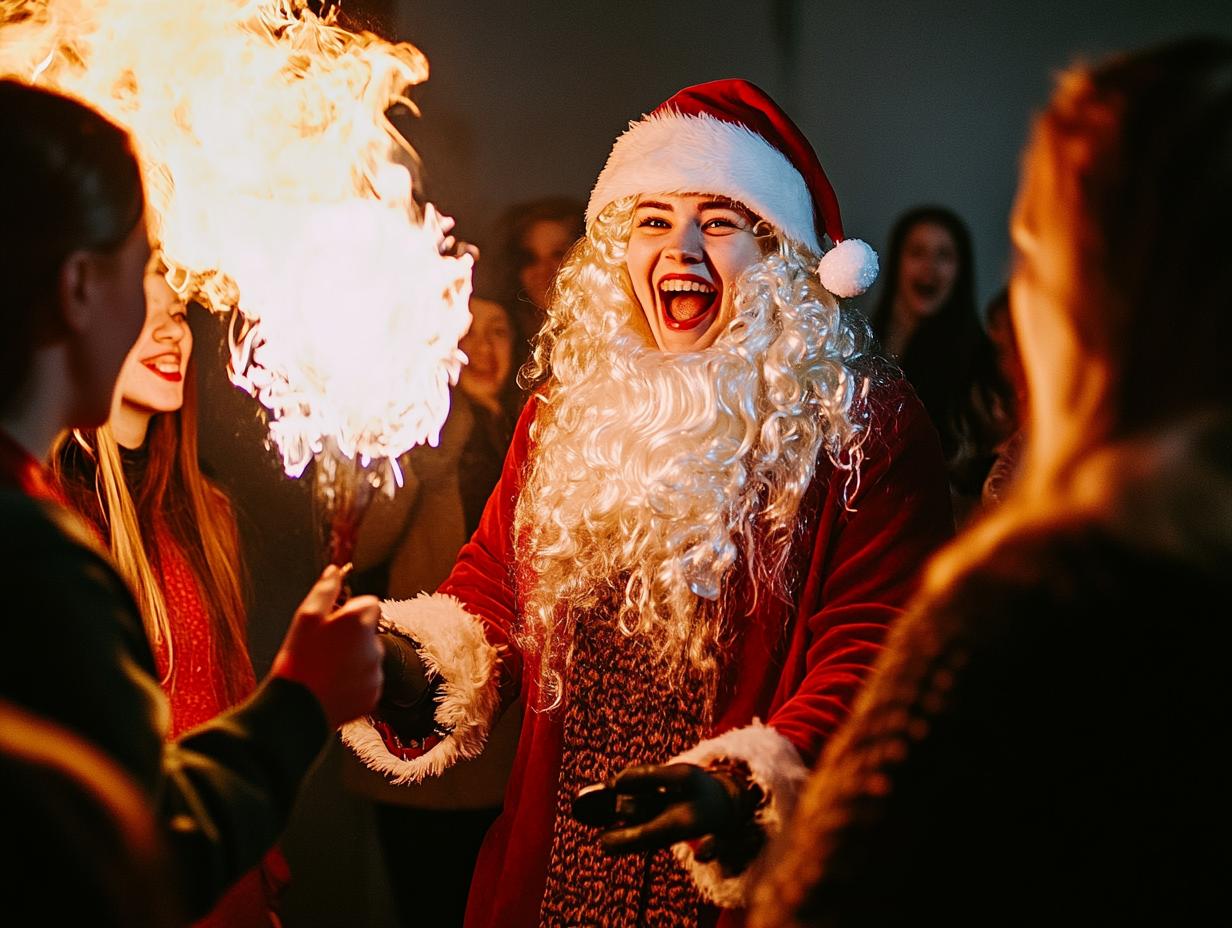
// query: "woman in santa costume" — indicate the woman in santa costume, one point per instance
point(714, 505)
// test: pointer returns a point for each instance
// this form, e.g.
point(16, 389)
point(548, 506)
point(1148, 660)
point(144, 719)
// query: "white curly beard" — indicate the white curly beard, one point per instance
point(640, 480)
point(653, 475)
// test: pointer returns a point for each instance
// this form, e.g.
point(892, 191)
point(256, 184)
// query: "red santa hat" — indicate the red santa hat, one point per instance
point(729, 138)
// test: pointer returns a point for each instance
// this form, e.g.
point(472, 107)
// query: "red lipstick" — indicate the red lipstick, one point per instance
point(169, 376)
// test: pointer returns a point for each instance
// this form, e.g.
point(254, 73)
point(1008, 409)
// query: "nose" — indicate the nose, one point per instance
point(171, 326)
point(685, 244)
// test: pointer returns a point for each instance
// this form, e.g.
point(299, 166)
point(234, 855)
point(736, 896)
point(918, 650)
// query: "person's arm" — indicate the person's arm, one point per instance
point(463, 636)
point(76, 653)
point(898, 516)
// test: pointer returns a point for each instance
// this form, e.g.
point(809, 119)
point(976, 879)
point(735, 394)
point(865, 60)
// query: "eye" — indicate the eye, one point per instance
point(653, 222)
point(722, 224)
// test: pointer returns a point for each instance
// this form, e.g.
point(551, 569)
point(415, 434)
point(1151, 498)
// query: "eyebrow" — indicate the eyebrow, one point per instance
point(731, 205)
point(726, 204)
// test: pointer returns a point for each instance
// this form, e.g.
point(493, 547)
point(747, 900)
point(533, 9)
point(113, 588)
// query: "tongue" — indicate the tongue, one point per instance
point(685, 306)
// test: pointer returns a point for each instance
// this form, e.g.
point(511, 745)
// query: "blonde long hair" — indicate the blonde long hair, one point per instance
point(653, 475)
point(196, 512)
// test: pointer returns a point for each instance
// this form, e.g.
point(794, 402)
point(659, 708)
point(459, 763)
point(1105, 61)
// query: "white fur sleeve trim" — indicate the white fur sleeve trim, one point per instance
point(452, 644)
point(776, 767)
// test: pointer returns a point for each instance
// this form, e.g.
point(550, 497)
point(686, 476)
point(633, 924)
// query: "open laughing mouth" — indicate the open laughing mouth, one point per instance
point(687, 301)
point(926, 290)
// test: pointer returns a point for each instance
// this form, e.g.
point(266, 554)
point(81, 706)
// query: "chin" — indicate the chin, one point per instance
point(697, 344)
point(696, 340)
point(158, 405)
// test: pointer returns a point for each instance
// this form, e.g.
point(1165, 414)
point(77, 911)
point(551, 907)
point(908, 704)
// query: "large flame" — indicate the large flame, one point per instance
point(278, 188)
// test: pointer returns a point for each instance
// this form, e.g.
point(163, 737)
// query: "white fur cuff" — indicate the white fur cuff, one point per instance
point(453, 645)
point(776, 767)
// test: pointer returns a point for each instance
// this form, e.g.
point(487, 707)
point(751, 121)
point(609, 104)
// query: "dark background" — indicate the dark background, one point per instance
point(905, 102)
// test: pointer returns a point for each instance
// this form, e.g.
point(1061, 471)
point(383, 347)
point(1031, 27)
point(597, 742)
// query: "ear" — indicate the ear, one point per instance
point(77, 290)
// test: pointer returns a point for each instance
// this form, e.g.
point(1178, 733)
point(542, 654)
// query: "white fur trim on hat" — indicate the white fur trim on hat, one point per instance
point(452, 644)
point(849, 268)
point(673, 153)
point(775, 766)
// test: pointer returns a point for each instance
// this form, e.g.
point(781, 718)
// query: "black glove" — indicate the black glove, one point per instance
point(407, 700)
point(665, 804)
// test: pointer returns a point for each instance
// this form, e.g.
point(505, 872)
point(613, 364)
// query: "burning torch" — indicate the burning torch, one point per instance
point(280, 193)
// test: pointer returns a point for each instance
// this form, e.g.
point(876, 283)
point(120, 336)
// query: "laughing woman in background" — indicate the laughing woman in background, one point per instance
point(926, 320)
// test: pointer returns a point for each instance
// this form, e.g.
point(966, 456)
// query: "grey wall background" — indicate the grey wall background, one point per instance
point(905, 102)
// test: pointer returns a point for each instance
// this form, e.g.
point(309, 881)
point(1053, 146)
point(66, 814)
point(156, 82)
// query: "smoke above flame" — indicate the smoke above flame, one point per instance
point(278, 189)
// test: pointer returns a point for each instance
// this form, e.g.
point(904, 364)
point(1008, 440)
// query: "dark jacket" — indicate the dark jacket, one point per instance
point(75, 652)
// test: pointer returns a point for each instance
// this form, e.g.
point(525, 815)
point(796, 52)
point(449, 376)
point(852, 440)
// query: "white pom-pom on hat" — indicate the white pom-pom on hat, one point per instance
point(849, 268)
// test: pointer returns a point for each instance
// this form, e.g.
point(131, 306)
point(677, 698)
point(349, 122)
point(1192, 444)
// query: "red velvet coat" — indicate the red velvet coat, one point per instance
point(797, 669)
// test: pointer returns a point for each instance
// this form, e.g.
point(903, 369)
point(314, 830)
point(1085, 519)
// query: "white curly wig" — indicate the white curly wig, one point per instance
point(653, 475)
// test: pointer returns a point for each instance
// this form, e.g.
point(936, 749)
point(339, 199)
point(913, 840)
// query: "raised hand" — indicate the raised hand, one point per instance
point(334, 652)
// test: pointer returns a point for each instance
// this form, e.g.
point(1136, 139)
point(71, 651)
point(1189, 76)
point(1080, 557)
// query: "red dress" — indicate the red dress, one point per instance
point(196, 694)
point(195, 691)
point(795, 669)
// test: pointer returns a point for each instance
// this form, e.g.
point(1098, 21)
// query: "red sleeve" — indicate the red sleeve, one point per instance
point(865, 569)
point(483, 579)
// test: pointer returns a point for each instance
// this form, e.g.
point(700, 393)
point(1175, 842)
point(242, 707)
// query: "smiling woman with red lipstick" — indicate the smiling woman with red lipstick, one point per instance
point(152, 380)
point(173, 537)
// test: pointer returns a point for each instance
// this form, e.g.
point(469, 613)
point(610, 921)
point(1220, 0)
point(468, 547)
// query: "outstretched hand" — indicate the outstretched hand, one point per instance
point(698, 803)
point(407, 703)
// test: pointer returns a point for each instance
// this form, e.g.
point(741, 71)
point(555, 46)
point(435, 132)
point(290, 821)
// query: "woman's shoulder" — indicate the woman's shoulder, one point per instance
point(1069, 589)
point(46, 549)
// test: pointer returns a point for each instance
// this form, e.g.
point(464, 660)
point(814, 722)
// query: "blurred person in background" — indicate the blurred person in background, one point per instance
point(1009, 401)
point(926, 321)
point(533, 239)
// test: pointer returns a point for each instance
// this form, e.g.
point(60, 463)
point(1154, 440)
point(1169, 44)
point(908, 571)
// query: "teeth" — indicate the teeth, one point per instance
point(166, 367)
point(685, 286)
